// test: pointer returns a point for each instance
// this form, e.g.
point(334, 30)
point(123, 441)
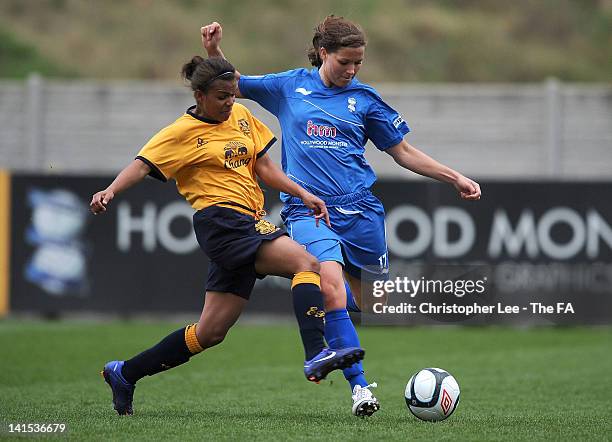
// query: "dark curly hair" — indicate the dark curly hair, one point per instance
point(201, 73)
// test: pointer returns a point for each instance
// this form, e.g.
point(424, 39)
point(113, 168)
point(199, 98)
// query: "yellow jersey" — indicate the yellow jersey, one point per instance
point(212, 162)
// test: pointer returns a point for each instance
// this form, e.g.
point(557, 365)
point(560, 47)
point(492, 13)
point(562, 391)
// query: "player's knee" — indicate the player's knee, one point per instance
point(212, 339)
point(333, 293)
point(216, 339)
point(307, 263)
point(211, 336)
point(313, 263)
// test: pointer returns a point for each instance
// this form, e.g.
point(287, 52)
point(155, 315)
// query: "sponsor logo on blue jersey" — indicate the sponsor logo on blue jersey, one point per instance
point(320, 130)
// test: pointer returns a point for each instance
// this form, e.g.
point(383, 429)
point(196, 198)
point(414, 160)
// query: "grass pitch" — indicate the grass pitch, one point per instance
point(537, 384)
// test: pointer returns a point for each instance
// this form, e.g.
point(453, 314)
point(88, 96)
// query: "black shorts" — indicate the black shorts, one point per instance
point(231, 239)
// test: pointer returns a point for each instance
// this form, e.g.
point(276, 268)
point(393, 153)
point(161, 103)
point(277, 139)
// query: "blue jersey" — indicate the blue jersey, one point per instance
point(325, 129)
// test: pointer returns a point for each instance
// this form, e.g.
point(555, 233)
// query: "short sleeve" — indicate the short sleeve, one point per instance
point(384, 125)
point(264, 89)
point(160, 155)
point(262, 137)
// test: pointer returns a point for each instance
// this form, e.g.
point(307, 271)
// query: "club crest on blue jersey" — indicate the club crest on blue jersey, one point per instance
point(236, 155)
point(351, 104)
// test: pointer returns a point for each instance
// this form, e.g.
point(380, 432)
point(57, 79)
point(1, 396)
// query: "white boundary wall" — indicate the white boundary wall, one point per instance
point(539, 131)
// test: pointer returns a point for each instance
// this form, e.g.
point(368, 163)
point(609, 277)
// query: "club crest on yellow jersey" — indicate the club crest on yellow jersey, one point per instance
point(236, 155)
point(244, 127)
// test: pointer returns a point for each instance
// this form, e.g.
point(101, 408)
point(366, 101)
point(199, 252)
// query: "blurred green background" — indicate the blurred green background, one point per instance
point(408, 40)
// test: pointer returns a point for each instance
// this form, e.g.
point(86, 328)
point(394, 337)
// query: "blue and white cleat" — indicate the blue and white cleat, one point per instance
point(123, 391)
point(364, 402)
point(329, 360)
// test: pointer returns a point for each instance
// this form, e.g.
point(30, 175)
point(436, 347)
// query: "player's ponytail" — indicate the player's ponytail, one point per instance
point(190, 67)
point(332, 34)
point(313, 52)
point(201, 73)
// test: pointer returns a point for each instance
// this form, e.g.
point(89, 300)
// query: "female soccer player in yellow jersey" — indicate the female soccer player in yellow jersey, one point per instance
point(214, 152)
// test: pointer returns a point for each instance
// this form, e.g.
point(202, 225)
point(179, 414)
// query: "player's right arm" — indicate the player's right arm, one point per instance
point(132, 174)
point(274, 177)
point(211, 40)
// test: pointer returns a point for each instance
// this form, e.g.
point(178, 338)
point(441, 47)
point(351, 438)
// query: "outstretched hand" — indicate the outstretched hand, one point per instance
point(211, 37)
point(317, 207)
point(100, 200)
point(468, 189)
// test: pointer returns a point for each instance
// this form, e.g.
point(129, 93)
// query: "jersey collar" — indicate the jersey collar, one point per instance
point(191, 111)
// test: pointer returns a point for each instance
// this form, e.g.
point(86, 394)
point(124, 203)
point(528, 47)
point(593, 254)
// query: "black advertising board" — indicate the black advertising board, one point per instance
point(541, 250)
point(66, 259)
point(540, 242)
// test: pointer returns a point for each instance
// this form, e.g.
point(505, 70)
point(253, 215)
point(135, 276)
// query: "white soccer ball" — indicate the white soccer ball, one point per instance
point(432, 394)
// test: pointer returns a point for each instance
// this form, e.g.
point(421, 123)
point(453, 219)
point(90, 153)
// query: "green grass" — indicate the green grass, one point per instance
point(537, 384)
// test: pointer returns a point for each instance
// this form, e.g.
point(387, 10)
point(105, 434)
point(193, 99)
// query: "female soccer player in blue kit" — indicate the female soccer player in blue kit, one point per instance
point(327, 116)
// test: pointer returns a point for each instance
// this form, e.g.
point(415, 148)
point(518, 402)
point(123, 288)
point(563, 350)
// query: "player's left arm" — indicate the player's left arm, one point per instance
point(274, 177)
point(411, 158)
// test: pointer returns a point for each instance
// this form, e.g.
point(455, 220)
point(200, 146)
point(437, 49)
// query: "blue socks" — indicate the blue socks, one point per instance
point(340, 333)
point(351, 305)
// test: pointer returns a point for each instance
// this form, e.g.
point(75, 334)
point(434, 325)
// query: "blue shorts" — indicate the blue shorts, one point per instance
point(356, 239)
point(231, 240)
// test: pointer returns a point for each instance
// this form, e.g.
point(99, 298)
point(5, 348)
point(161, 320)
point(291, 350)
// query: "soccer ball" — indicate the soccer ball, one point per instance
point(432, 394)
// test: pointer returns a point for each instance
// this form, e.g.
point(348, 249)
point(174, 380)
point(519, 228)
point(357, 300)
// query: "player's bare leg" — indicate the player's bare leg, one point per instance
point(332, 286)
point(220, 313)
point(284, 257)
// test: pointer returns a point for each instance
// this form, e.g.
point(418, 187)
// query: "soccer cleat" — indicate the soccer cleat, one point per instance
point(123, 391)
point(364, 402)
point(329, 360)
